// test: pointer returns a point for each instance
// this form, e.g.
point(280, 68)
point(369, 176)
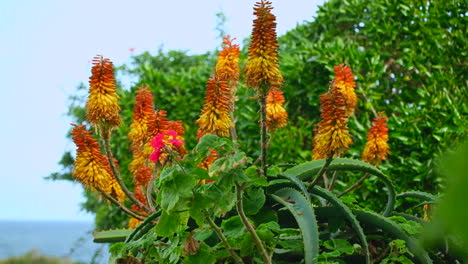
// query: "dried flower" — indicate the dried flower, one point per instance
point(262, 68)
point(277, 117)
point(331, 135)
point(102, 108)
point(376, 148)
point(215, 116)
point(344, 80)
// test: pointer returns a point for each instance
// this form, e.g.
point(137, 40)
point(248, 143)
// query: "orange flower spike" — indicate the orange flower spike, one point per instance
point(102, 108)
point(227, 67)
point(262, 68)
point(158, 122)
point(277, 117)
point(90, 164)
point(344, 80)
point(377, 148)
point(332, 135)
point(143, 113)
point(215, 117)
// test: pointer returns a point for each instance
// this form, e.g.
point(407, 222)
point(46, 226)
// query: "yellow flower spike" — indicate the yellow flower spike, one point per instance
point(227, 67)
point(215, 117)
point(377, 148)
point(331, 135)
point(344, 80)
point(262, 68)
point(277, 117)
point(143, 114)
point(102, 108)
point(91, 166)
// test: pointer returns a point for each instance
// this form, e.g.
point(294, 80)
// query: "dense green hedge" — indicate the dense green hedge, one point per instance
point(409, 58)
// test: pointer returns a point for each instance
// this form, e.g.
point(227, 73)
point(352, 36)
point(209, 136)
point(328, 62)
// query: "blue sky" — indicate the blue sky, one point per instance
point(45, 52)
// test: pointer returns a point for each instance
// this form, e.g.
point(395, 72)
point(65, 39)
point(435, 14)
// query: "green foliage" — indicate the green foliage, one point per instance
point(34, 257)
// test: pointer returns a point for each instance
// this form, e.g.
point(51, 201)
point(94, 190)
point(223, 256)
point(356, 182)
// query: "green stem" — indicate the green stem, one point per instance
point(359, 182)
point(322, 170)
point(149, 190)
point(116, 173)
point(221, 236)
point(263, 132)
point(121, 206)
point(248, 226)
point(333, 181)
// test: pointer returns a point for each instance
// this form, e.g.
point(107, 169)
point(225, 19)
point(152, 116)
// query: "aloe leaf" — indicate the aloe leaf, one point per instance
point(111, 236)
point(410, 217)
point(303, 212)
point(310, 169)
point(394, 229)
point(327, 195)
point(298, 183)
point(142, 228)
point(419, 195)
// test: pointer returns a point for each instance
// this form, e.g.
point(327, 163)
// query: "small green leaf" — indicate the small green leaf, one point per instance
point(253, 200)
point(111, 236)
point(233, 227)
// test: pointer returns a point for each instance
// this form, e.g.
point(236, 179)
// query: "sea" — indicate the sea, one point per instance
point(72, 240)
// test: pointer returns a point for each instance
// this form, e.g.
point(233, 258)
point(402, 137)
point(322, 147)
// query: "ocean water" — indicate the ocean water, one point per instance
point(63, 239)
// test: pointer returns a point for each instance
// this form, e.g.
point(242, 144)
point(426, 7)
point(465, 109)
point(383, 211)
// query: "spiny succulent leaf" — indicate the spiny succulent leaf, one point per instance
point(303, 212)
point(111, 236)
point(327, 195)
point(310, 169)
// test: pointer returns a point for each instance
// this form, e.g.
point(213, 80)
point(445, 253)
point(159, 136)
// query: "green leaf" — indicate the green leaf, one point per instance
point(233, 227)
point(172, 189)
point(204, 255)
point(253, 199)
point(339, 246)
point(419, 195)
point(171, 223)
point(111, 236)
point(311, 168)
point(348, 214)
point(394, 229)
point(303, 212)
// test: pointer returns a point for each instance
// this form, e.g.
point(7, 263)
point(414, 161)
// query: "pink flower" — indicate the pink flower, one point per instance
point(166, 138)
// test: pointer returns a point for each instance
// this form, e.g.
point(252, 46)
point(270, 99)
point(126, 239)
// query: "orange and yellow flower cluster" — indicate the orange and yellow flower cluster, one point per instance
point(262, 68)
point(377, 149)
point(216, 115)
point(332, 137)
point(277, 117)
point(102, 108)
point(91, 166)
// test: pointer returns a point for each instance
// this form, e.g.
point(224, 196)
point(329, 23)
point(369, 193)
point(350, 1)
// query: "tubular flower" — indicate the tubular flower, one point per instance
point(158, 122)
point(376, 148)
point(215, 115)
point(331, 134)
point(262, 68)
point(227, 67)
point(277, 117)
point(138, 194)
point(102, 108)
point(164, 144)
point(91, 166)
point(143, 113)
point(344, 80)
